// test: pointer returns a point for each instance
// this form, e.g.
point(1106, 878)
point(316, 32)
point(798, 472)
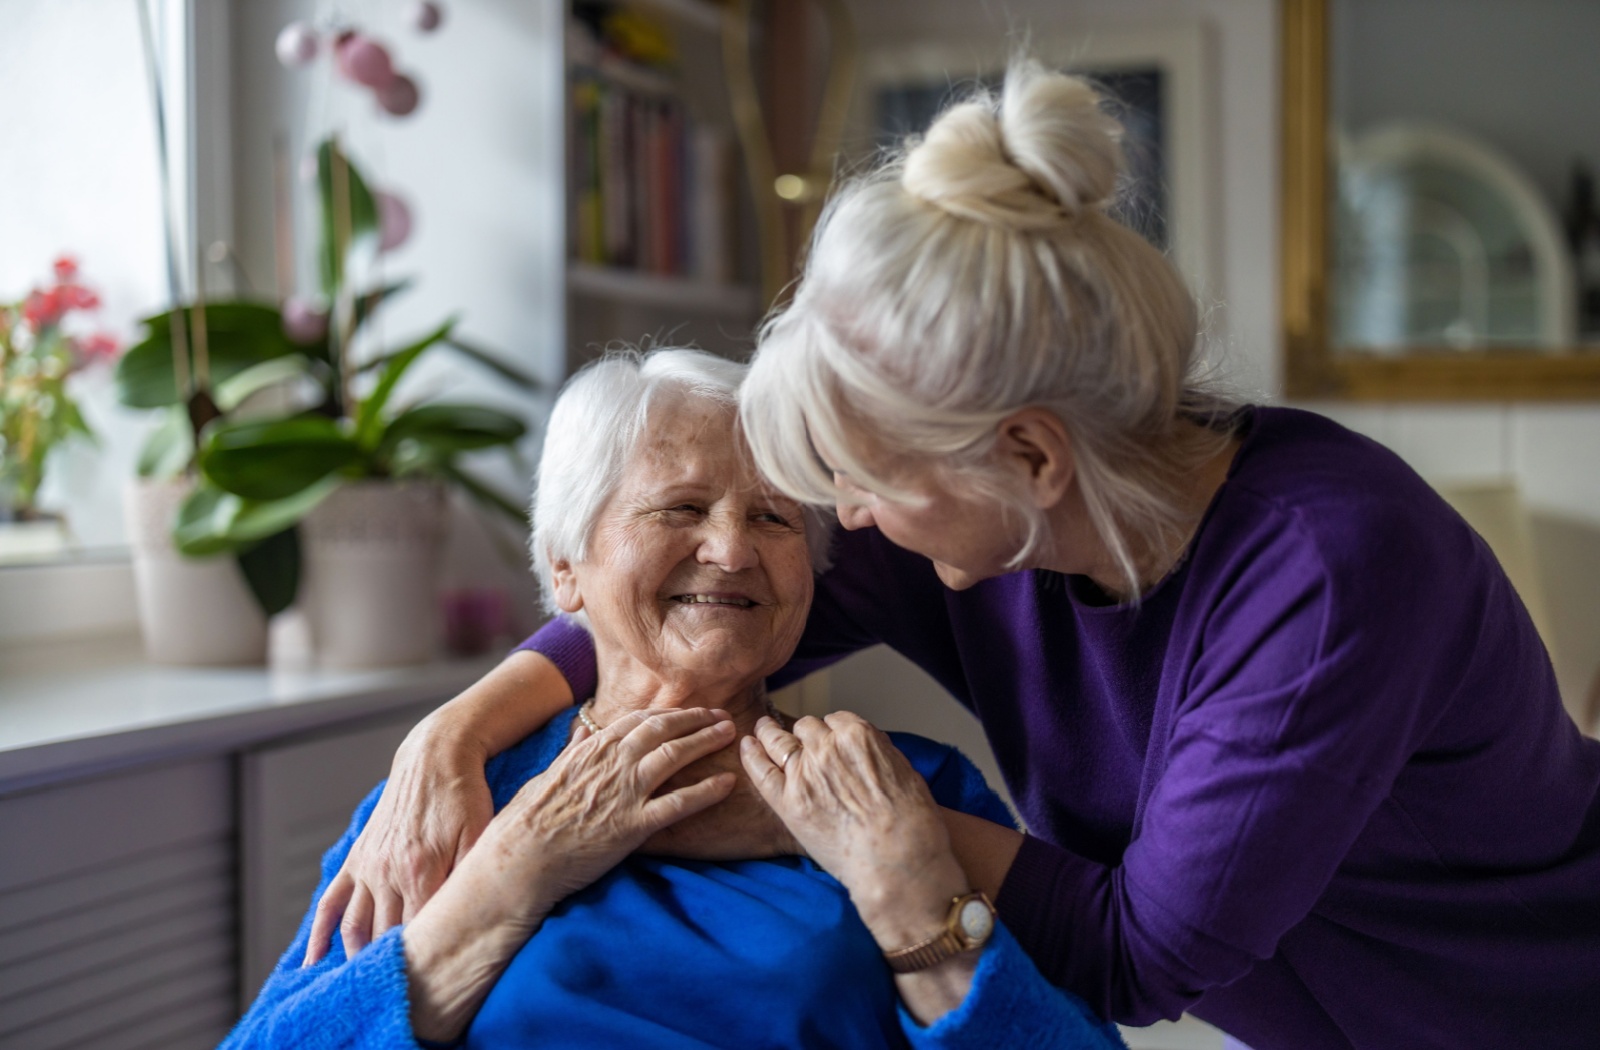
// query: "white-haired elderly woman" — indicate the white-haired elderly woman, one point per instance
point(653, 536)
point(1288, 747)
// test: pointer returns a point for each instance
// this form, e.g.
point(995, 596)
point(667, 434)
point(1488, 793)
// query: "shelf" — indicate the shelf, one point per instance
point(701, 14)
point(647, 289)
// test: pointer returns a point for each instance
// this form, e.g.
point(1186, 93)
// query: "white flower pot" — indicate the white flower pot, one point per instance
point(191, 610)
point(370, 577)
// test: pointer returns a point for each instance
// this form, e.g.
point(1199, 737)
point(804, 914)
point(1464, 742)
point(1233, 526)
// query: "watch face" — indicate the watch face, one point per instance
point(977, 922)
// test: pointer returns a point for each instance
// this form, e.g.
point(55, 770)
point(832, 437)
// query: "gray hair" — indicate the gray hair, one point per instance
point(594, 427)
point(976, 272)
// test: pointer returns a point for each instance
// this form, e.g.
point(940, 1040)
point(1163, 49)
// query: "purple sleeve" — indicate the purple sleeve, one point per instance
point(569, 647)
point(1301, 707)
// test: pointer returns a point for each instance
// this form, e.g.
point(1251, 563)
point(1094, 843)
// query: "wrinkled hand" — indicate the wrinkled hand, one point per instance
point(595, 804)
point(740, 827)
point(434, 807)
point(856, 806)
point(604, 795)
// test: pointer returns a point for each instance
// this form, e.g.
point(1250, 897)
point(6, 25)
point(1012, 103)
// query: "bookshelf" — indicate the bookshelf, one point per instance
point(659, 227)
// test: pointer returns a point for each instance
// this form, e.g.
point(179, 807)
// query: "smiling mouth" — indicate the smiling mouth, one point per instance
point(713, 599)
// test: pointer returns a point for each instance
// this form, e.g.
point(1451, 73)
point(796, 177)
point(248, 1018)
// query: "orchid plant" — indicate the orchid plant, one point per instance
point(258, 473)
point(42, 345)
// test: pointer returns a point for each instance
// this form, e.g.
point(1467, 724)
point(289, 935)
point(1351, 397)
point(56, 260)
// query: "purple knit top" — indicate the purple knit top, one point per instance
point(1318, 788)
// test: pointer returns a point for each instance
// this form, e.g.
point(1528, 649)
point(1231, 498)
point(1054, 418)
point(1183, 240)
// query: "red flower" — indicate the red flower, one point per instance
point(66, 268)
point(101, 346)
point(42, 309)
point(76, 297)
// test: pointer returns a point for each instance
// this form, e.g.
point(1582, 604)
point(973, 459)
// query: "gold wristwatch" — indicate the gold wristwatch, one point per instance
point(967, 928)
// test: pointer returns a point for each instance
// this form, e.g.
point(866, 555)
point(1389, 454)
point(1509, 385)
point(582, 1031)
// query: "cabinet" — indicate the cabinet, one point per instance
point(659, 230)
point(152, 873)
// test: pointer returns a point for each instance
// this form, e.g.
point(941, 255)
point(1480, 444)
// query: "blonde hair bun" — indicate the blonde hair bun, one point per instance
point(1043, 152)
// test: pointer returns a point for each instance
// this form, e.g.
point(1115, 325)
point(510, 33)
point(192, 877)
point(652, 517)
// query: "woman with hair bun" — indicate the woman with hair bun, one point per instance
point(1288, 747)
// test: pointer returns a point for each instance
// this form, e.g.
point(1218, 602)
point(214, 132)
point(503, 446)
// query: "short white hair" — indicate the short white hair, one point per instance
point(976, 272)
point(595, 426)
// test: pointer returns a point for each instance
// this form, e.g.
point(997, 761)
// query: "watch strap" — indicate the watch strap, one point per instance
point(947, 943)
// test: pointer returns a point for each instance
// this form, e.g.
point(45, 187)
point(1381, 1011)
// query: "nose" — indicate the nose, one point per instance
point(853, 515)
point(728, 545)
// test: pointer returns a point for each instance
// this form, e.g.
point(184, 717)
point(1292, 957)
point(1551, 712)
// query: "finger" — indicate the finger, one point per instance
point(764, 772)
point(672, 755)
point(781, 745)
point(388, 910)
point(684, 802)
point(837, 720)
point(811, 731)
point(329, 911)
point(355, 929)
point(660, 726)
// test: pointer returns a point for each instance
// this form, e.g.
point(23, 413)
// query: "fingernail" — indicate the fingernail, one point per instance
point(723, 727)
point(760, 721)
point(747, 743)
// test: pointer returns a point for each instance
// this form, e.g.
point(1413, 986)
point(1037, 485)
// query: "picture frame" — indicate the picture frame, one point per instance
point(1177, 204)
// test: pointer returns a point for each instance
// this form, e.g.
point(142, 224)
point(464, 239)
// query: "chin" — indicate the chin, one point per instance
point(954, 578)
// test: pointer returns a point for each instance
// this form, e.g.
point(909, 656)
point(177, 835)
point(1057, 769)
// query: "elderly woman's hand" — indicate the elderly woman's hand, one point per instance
point(859, 809)
point(594, 805)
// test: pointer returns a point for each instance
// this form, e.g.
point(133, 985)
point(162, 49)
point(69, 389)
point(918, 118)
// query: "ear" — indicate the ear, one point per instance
point(568, 596)
point(1034, 444)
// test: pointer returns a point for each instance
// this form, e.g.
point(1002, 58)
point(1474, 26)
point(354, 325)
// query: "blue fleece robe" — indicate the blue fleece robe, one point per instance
point(680, 954)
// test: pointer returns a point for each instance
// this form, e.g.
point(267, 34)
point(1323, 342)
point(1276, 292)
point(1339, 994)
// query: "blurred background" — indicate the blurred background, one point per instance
point(233, 233)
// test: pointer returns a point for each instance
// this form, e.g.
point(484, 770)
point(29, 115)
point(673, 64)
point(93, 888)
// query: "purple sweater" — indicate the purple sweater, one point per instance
point(1318, 789)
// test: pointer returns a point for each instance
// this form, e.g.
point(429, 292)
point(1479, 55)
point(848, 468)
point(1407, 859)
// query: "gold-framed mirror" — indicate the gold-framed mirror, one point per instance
point(1431, 250)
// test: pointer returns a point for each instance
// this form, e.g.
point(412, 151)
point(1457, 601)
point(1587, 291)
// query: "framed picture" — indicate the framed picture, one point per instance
point(1158, 81)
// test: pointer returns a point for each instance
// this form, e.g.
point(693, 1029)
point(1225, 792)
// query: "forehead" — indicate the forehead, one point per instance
point(688, 439)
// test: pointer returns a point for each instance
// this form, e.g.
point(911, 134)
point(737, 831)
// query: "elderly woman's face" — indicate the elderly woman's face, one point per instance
point(695, 567)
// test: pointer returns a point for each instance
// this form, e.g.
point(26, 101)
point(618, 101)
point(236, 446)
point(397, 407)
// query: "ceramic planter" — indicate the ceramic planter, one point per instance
point(370, 579)
point(191, 610)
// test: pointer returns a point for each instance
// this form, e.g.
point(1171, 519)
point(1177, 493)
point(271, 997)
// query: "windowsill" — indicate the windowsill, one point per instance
point(83, 706)
point(87, 594)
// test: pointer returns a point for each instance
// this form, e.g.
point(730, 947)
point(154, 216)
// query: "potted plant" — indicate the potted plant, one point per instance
point(345, 488)
point(38, 414)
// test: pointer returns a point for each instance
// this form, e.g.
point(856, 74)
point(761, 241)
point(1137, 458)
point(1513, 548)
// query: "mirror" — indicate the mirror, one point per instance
point(1441, 233)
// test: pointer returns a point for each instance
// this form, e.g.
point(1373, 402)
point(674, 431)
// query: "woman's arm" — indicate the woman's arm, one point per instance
point(868, 817)
point(436, 804)
point(565, 828)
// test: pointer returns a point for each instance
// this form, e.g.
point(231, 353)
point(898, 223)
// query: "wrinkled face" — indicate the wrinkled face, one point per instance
point(696, 570)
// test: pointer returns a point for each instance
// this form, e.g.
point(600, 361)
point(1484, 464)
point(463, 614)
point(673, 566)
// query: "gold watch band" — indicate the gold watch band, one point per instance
point(947, 943)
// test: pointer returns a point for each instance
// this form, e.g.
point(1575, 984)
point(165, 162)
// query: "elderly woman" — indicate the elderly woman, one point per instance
point(693, 580)
point(1290, 751)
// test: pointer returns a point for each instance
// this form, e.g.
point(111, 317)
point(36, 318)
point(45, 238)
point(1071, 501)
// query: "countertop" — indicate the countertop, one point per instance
point(77, 708)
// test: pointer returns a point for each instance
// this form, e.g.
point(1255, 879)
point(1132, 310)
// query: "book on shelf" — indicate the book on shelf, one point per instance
point(652, 187)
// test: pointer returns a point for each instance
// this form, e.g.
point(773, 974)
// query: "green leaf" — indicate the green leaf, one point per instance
point(232, 393)
point(515, 376)
point(356, 205)
point(275, 459)
point(445, 430)
point(212, 521)
point(239, 336)
point(486, 495)
point(204, 520)
point(369, 417)
point(169, 448)
point(272, 569)
point(511, 374)
point(367, 304)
